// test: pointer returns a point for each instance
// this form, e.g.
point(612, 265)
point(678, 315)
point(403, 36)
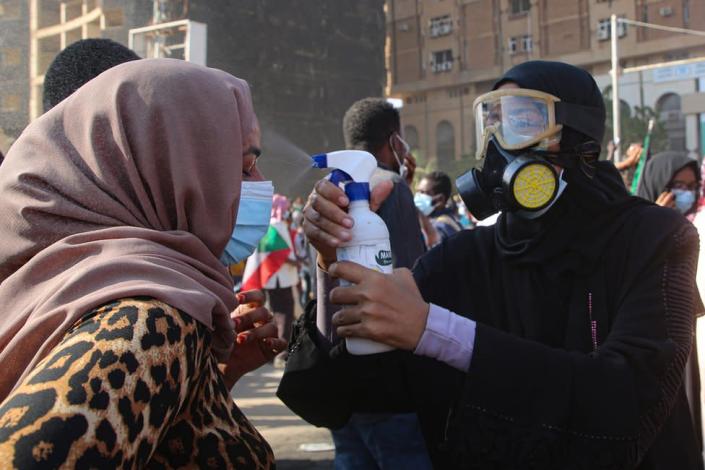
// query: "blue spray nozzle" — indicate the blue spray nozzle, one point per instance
point(320, 160)
point(357, 191)
point(352, 167)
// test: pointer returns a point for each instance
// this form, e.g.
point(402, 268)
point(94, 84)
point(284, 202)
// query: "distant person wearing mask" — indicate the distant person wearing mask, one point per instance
point(79, 63)
point(672, 179)
point(431, 198)
point(375, 440)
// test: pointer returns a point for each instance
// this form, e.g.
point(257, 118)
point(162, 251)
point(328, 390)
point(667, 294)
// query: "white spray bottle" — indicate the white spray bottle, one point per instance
point(369, 245)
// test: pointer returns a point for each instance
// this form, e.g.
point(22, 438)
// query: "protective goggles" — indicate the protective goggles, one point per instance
point(520, 118)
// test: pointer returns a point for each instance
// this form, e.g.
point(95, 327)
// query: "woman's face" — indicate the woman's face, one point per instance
point(684, 179)
point(250, 171)
point(684, 182)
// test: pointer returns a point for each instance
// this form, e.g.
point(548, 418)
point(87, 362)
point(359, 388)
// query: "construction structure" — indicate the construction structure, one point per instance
point(442, 54)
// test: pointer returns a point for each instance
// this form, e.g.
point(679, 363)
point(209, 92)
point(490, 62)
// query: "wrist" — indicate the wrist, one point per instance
point(324, 263)
point(423, 321)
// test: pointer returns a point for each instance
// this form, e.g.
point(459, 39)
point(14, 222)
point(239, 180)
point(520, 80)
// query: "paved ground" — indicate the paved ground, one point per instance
point(288, 435)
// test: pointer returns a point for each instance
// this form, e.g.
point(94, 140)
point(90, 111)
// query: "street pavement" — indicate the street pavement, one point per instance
point(297, 445)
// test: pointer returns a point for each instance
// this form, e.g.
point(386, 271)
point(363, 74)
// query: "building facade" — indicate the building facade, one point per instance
point(307, 61)
point(14, 69)
point(442, 54)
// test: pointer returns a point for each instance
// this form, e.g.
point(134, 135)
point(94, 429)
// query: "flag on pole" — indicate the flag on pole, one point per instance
point(269, 257)
point(645, 150)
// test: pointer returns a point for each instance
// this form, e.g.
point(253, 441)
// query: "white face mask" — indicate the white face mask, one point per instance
point(252, 221)
point(684, 199)
point(424, 203)
point(403, 170)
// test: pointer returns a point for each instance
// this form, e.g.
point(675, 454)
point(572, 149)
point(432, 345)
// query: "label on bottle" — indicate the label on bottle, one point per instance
point(377, 256)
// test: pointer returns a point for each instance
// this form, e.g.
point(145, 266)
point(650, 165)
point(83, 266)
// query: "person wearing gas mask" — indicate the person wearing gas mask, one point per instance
point(431, 199)
point(672, 179)
point(556, 338)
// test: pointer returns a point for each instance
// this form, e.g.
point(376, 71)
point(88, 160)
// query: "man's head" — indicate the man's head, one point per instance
point(437, 185)
point(373, 124)
point(79, 63)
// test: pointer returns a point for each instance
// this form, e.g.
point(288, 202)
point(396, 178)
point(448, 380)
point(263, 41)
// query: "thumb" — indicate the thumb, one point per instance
point(380, 193)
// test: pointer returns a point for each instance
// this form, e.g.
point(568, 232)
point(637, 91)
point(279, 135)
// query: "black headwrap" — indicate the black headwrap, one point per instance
point(660, 170)
point(572, 235)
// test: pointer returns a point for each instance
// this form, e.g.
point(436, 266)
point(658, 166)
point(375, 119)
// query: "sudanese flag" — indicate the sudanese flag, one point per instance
point(269, 257)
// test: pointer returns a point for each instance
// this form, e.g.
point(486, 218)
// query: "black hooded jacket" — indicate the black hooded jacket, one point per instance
point(584, 324)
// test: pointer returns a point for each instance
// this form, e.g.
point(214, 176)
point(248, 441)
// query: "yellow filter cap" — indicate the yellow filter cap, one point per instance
point(534, 186)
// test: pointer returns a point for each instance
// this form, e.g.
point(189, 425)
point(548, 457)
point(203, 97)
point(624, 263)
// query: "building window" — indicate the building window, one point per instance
point(520, 6)
point(442, 61)
point(411, 135)
point(519, 44)
point(114, 18)
point(10, 56)
point(445, 142)
point(9, 9)
point(458, 92)
point(527, 44)
point(604, 29)
point(440, 26)
point(668, 107)
point(10, 103)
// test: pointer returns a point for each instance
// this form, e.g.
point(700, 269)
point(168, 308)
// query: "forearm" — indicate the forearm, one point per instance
point(448, 337)
point(325, 309)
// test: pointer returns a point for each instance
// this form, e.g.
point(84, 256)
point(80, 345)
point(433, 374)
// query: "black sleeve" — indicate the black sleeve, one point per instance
point(526, 402)
point(399, 213)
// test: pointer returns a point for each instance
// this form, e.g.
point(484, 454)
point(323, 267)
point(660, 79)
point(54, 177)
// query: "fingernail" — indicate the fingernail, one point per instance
point(343, 200)
point(345, 235)
point(348, 222)
point(241, 339)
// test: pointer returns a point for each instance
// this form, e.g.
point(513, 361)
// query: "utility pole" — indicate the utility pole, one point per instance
point(616, 118)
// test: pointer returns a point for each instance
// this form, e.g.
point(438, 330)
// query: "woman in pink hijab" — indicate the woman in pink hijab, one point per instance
point(120, 335)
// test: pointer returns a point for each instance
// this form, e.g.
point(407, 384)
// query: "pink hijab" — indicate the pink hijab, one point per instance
point(130, 187)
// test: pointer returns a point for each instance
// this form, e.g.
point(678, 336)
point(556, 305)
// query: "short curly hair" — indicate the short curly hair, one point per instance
point(78, 64)
point(368, 124)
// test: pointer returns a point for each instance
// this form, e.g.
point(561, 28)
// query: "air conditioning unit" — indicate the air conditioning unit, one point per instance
point(603, 34)
point(441, 67)
point(665, 11)
point(445, 28)
point(435, 31)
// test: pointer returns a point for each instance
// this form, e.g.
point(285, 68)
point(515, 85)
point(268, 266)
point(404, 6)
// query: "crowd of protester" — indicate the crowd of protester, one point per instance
point(147, 265)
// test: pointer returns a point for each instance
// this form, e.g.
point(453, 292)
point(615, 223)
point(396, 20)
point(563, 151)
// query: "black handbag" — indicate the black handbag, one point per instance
point(313, 385)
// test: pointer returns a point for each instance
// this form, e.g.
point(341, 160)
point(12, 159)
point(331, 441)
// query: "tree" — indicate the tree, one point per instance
point(635, 122)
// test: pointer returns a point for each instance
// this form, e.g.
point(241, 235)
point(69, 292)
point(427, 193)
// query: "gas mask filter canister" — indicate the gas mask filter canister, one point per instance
point(508, 182)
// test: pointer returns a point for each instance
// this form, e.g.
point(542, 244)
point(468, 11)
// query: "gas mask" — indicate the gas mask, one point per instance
point(510, 181)
point(514, 129)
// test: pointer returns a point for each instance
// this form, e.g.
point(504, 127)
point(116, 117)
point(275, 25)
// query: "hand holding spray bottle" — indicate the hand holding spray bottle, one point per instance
point(369, 245)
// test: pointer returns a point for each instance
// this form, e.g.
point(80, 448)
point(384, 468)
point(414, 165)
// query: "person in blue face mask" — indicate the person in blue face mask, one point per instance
point(431, 199)
point(672, 179)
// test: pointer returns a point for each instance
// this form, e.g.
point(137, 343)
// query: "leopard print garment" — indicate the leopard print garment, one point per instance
point(132, 385)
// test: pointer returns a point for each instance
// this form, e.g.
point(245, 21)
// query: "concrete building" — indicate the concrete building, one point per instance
point(307, 60)
point(442, 54)
point(14, 69)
